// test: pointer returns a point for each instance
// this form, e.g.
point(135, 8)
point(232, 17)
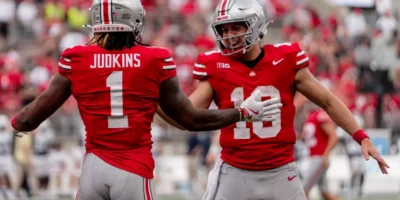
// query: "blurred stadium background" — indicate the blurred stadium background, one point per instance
point(353, 45)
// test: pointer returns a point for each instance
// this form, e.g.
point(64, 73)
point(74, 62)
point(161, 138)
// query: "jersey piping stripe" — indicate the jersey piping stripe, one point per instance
point(302, 61)
point(169, 60)
point(199, 65)
point(66, 59)
point(199, 73)
point(64, 66)
point(301, 53)
point(169, 67)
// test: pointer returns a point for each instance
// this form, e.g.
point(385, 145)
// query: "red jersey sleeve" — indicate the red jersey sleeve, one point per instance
point(200, 71)
point(294, 52)
point(302, 60)
point(167, 63)
point(65, 63)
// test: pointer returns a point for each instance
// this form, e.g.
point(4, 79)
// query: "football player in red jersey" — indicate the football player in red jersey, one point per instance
point(320, 136)
point(118, 84)
point(257, 158)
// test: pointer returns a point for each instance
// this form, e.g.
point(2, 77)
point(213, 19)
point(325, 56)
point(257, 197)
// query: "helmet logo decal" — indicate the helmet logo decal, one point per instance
point(98, 19)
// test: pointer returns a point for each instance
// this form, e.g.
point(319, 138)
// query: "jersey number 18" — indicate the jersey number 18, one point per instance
point(241, 131)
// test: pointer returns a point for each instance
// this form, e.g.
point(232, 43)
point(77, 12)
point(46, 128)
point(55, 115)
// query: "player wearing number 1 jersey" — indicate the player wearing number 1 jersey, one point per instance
point(118, 84)
point(257, 158)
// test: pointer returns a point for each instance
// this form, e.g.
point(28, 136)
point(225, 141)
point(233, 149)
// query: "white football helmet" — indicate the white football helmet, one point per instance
point(248, 11)
point(117, 16)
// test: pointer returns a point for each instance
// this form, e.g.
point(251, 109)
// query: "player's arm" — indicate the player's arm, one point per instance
point(311, 88)
point(32, 115)
point(178, 106)
point(329, 128)
point(201, 98)
point(167, 119)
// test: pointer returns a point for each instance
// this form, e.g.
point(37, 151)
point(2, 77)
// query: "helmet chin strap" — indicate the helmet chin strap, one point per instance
point(264, 29)
point(245, 50)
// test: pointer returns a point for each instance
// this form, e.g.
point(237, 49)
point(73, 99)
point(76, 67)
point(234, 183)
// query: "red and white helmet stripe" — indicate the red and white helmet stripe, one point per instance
point(106, 12)
point(224, 8)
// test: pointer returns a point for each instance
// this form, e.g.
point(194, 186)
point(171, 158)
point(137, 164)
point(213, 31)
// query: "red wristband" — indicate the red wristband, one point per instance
point(14, 122)
point(245, 114)
point(360, 135)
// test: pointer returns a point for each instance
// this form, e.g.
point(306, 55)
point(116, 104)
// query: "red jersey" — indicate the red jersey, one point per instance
point(117, 94)
point(315, 137)
point(257, 145)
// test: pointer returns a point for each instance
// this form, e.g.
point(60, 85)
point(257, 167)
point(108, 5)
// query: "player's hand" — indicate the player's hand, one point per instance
point(18, 133)
point(254, 110)
point(368, 149)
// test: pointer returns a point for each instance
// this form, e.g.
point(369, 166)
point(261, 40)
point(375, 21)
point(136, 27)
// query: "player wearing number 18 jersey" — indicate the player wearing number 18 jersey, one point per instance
point(255, 146)
point(254, 149)
point(118, 84)
point(257, 158)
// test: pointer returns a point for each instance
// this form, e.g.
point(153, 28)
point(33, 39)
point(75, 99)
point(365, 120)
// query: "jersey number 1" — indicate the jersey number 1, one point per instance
point(117, 118)
point(241, 131)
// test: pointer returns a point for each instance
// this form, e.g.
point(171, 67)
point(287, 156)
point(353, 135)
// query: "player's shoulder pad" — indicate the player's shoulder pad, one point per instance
point(160, 52)
point(73, 51)
point(208, 57)
point(163, 56)
point(69, 56)
point(288, 48)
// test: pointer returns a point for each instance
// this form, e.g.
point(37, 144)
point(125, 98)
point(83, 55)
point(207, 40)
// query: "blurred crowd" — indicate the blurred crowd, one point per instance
point(33, 33)
point(355, 53)
point(359, 58)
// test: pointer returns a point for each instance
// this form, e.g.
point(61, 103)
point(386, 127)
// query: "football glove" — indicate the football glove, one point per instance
point(254, 110)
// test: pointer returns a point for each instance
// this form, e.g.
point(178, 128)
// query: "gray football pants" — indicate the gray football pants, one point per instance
point(282, 183)
point(101, 181)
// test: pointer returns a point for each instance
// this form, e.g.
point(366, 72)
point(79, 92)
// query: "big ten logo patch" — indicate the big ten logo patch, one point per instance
point(223, 65)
